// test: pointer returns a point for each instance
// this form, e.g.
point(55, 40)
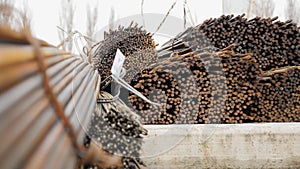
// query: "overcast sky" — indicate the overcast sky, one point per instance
point(45, 14)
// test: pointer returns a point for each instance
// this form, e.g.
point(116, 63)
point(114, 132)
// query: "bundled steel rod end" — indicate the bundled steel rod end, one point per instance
point(134, 42)
point(116, 130)
point(42, 76)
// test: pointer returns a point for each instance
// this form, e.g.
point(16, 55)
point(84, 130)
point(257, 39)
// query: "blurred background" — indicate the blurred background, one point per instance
point(53, 21)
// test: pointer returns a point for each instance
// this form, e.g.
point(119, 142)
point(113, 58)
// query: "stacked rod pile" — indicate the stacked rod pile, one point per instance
point(161, 87)
point(274, 43)
point(270, 44)
point(118, 131)
point(278, 96)
point(47, 97)
point(135, 43)
point(198, 88)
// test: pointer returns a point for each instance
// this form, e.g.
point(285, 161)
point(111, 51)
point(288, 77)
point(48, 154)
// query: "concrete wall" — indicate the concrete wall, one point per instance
point(265, 145)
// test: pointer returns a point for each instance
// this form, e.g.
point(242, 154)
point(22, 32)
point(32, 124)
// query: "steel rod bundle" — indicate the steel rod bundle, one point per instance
point(274, 43)
point(278, 96)
point(198, 88)
point(47, 97)
point(135, 43)
point(262, 45)
point(117, 130)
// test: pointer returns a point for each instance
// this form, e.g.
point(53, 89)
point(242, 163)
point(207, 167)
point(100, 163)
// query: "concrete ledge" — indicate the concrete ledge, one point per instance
point(260, 145)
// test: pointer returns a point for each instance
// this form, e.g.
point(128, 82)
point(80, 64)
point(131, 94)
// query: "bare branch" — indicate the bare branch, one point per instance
point(16, 19)
point(111, 19)
point(190, 14)
point(184, 14)
point(250, 2)
point(92, 19)
point(263, 8)
point(142, 13)
point(66, 20)
point(166, 16)
point(292, 10)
